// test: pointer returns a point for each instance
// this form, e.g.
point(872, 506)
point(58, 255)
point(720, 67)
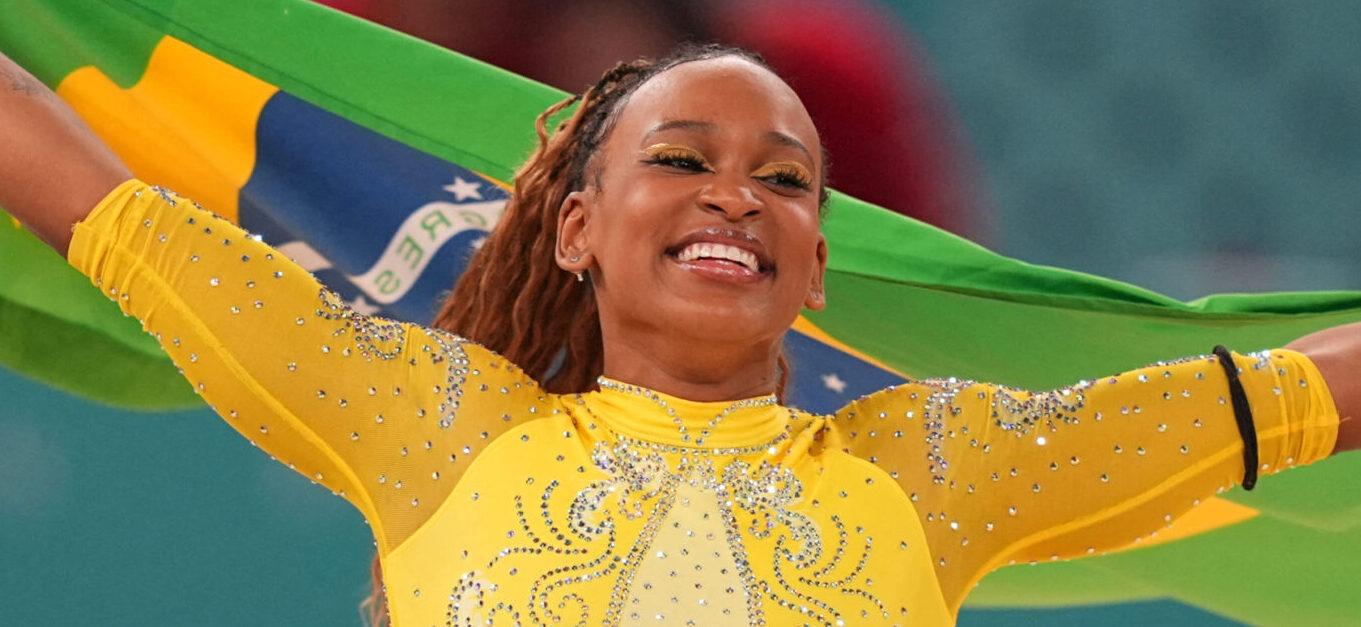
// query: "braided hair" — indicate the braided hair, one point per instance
point(513, 298)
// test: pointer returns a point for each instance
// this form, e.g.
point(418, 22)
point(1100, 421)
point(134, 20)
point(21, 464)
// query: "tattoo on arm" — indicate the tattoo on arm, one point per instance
point(20, 81)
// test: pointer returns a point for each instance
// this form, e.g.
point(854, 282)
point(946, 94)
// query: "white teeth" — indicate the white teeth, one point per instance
point(706, 250)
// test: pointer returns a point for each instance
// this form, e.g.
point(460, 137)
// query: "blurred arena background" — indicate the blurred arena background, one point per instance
point(1185, 146)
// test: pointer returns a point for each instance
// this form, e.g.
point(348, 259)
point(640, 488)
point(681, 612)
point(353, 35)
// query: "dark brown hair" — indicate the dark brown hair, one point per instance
point(513, 298)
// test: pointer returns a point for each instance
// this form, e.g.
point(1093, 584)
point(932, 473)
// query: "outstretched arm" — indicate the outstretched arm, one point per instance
point(1337, 353)
point(1000, 474)
point(53, 169)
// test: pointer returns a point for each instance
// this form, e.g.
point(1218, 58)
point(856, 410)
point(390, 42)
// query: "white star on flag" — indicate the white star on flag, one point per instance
point(463, 190)
point(833, 382)
point(477, 243)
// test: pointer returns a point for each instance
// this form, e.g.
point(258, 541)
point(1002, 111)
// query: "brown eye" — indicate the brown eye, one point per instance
point(791, 178)
point(684, 162)
point(790, 175)
point(680, 157)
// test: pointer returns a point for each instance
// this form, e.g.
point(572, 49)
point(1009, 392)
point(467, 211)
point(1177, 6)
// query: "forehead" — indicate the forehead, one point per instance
point(733, 94)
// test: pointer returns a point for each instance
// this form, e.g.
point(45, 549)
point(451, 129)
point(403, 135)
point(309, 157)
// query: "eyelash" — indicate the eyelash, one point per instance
point(789, 177)
point(682, 160)
point(783, 177)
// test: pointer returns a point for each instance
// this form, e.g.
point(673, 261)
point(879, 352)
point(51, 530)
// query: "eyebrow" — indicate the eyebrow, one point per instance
point(787, 140)
point(775, 137)
point(689, 125)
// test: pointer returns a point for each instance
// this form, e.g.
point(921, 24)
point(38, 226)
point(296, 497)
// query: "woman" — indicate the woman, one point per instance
point(593, 434)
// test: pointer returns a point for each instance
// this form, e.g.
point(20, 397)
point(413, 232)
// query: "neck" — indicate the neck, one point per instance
point(692, 370)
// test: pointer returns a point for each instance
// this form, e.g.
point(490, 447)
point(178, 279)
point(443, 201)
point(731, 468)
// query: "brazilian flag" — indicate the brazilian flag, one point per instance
point(379, 163)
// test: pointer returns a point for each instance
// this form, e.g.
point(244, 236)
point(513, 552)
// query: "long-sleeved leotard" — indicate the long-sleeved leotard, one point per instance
point(492, 500)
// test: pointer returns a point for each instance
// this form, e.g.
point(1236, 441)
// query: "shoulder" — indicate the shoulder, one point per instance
point(473, 369)
point(913, 396)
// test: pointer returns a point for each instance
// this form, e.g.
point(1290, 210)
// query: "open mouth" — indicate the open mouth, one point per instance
point(723, 254)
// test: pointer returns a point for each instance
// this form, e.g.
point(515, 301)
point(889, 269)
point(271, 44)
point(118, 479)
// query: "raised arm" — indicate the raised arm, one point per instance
point(52, 167)
point(1337, 353)
point(386, 414)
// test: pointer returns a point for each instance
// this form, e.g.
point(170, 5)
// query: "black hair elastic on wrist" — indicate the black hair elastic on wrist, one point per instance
point(1242, 412)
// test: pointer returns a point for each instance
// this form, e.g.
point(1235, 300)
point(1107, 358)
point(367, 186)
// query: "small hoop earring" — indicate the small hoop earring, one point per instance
point(575, 258)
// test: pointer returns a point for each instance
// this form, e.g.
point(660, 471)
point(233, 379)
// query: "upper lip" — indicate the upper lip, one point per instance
point(730, 237)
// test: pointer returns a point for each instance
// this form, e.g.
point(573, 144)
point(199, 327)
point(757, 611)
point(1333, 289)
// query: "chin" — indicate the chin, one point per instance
point(731, 323)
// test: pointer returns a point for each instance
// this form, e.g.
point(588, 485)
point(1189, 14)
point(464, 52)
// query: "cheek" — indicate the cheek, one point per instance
point(802, 263)
point(628, 226)
point(803, 230)
point(645, 205)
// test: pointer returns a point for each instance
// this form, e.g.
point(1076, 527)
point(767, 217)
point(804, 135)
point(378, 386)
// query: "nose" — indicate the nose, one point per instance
point(732, 198)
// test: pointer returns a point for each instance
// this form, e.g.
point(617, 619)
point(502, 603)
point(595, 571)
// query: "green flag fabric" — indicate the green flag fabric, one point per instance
point(281, 103)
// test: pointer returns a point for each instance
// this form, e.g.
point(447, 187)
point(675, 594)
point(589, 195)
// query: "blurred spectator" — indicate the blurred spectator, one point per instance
point(893, 140)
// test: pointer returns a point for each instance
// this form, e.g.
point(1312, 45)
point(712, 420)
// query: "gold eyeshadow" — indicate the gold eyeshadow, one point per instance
point(789, 169)
point(675, 151)
point(783, 172)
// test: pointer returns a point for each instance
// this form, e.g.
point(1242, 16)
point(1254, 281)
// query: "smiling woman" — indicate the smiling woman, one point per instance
point(717, 144)
point(614, 449)
point(612, 195)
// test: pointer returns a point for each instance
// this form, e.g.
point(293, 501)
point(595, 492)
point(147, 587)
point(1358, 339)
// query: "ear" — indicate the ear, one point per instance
point(817, 294)
point(572, 251)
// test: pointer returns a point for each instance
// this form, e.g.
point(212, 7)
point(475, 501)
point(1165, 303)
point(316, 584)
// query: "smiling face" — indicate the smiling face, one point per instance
point(699, 220)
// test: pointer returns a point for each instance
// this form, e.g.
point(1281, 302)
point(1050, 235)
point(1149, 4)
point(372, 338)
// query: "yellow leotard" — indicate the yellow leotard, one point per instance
point(492, 500)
